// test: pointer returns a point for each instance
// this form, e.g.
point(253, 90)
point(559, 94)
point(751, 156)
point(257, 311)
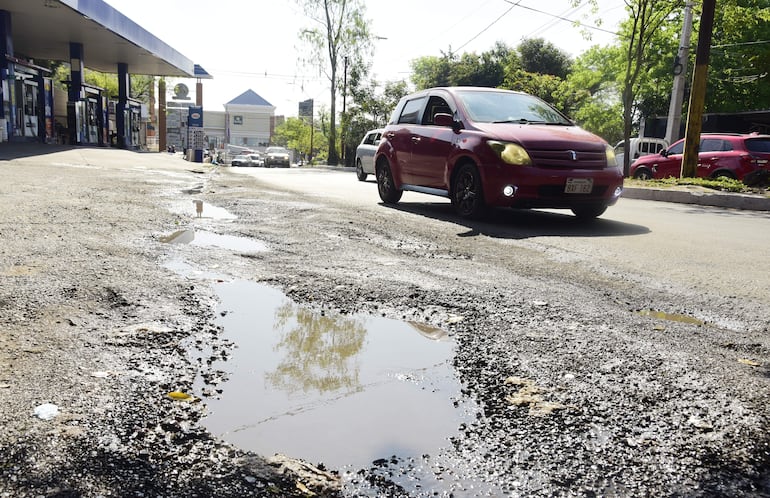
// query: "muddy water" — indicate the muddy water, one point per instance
point(335, 389)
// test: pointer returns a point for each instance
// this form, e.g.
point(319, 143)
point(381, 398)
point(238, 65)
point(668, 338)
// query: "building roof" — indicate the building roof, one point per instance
point(249, 97)
point(44, 29)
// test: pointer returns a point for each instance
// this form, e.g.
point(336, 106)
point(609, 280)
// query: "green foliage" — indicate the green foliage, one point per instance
point(738, 67)
point(543, 57)
point(295, 133)
point(339, 27)
point(140, 84)
point(721, 184)
point(487, 69)
point(371, 108)
point(593, 82)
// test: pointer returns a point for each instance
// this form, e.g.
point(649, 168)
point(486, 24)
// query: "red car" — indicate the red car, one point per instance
point(720, 155)
point(486, 147)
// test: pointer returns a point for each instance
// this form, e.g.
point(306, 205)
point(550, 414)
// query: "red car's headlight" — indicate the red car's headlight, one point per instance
point(612, 161)
point(510, 153)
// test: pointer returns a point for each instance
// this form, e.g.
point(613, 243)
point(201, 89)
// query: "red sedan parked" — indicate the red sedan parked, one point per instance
point(720, 155)
point(485, 147)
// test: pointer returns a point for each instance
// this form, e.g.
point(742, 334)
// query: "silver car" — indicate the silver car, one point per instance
point(365, 154)
point(276, 156)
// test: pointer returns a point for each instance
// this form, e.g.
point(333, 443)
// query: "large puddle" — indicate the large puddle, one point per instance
point(210, 239)
point(342, 390)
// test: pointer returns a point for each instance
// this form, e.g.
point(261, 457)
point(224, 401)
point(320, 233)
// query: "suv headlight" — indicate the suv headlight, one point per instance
point(612, 161)
point(510, 153)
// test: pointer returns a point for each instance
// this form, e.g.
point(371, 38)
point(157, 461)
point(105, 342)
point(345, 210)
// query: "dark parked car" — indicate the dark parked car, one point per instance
point(485, 147)
point(365, 154)
point(276, 156)
point(720, 155)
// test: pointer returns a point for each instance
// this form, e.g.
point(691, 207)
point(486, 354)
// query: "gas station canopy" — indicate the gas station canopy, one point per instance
point(44, 29)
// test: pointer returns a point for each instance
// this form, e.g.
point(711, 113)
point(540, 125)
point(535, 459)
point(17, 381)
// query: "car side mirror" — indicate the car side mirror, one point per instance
point(664, 153)
point(444, 119)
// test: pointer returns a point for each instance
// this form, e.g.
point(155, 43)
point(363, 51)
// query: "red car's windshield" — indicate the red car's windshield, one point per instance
point(508, 107)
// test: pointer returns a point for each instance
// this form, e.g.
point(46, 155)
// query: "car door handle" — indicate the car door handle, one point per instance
point(415, 139)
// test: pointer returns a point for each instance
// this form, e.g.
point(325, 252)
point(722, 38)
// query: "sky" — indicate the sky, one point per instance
point(253, 44)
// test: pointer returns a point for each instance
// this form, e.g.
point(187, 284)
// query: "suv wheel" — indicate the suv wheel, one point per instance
point(723, 174)
point(385, 185)
point(589, 211)
point(360, 171)
point(467, 196)
point(643, 174)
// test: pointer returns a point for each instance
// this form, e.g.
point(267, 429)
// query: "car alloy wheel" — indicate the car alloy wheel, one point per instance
point(467, 195)
point(360, 171)
point(385, 185)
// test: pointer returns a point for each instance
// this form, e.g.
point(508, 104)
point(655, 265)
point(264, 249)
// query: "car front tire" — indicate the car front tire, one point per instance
point(360, 174)
point(643, 174)
point(589, 211)
point(385, 184)
point(467, 194)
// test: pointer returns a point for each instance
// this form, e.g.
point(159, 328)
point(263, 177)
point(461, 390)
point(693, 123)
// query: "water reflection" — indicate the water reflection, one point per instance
point(339, 389)
point(318, 351)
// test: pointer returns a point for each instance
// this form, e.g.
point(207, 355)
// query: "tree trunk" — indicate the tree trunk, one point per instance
point(334, 158)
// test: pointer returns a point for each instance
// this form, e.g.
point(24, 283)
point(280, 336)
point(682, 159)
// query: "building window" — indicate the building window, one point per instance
point(237, 120)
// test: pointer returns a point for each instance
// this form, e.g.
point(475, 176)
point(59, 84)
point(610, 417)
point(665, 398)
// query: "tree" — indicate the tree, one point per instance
point(371, 108)
point(487, 69)
point(340, 31)
point(594, 83)
point(542, 57)
point(297, 134)
point(140, 84)
point(432, 71)
point(637, 33)
point(740, 57)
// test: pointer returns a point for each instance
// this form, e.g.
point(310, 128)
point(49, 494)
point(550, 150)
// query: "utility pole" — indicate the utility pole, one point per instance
point(698, 91)
point(680, 74)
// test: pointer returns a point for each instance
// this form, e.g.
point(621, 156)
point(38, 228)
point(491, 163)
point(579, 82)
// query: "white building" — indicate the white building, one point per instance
point(249, 121)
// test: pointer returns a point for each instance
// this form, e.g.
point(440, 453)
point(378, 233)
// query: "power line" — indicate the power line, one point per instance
point(490, 25)
point(597, 28)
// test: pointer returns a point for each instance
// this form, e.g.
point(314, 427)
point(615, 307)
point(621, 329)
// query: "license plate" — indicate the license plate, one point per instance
point(579, 186)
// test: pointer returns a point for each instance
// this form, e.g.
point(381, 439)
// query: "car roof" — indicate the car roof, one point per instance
point(455, 89)
point(729, 136)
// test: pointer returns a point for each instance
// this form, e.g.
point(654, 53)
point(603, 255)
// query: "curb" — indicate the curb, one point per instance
point(716, 199)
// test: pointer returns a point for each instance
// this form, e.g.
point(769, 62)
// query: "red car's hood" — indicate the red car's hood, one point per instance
point(534, 136)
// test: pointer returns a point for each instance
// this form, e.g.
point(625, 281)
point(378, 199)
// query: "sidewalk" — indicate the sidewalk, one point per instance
point(690, 194)
point(699, 195)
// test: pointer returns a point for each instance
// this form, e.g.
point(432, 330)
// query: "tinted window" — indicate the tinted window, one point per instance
point(715, 145)
point(677, 148)
point(758, 145)
point(435, 105)
point(411, 111)
point(370, 138)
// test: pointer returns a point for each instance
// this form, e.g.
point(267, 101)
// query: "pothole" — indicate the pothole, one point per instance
point(343, 390)
point(211, 239)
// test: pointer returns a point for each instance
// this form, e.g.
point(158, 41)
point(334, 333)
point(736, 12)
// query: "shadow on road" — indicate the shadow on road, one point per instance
point(522, 223)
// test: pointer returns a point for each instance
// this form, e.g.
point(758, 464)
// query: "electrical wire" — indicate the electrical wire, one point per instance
point(489, 26)
point(597, 28)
